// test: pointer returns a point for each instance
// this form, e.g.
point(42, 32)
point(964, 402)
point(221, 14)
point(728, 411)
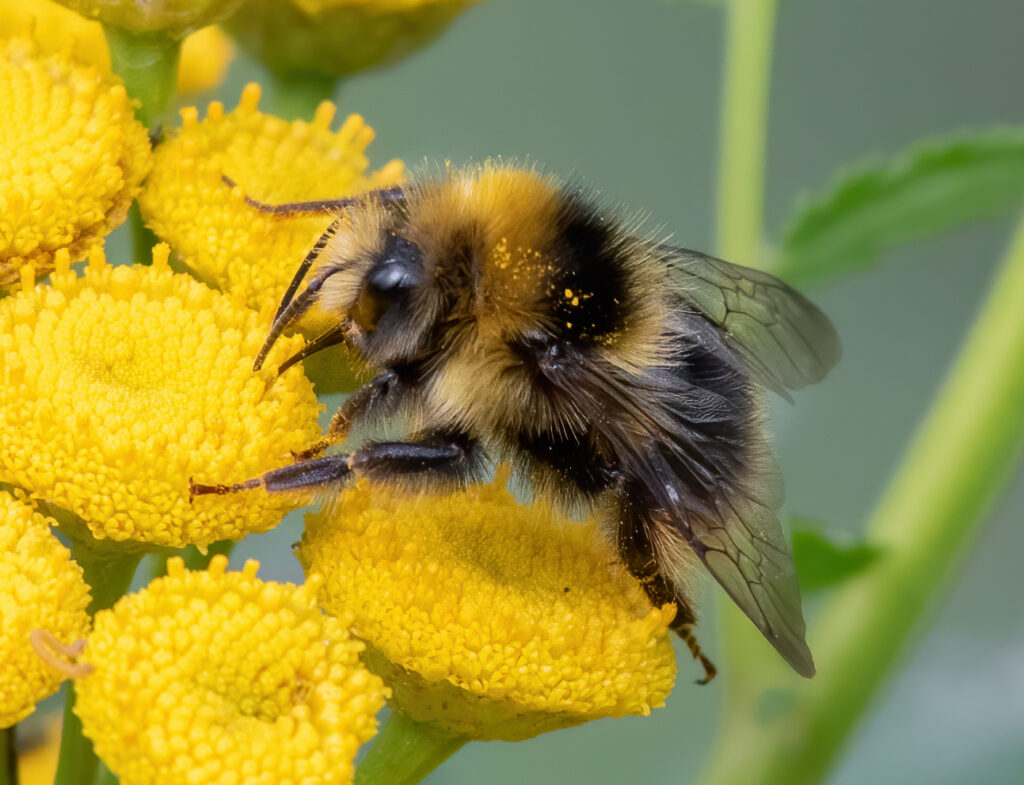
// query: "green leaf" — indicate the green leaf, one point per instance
point(822, 562)
point(934, 185)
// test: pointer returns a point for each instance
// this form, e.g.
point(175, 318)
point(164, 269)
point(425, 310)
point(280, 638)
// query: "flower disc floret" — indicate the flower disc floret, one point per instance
point(217, 235)
point(490, 618)
point(40, 588)
point(119, 386)
point(72, 157)
point(217, 677)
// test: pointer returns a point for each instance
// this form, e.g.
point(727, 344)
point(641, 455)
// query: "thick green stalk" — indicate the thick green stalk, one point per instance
point(959, 461)
point(8, 757)
point(741, 177)
point(297, 98)
point(148, 65)
point(405, 751)
point(194, 559)
point(108, 569)
point(741, 173)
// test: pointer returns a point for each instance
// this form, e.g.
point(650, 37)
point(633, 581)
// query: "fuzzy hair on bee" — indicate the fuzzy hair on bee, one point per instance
point(512, 318)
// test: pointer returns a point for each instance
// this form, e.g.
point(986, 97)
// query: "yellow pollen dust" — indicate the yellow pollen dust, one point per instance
point(41, 589)
point(72, 156)
point(225, 241)
point(220, 677)
point(119, 386)
point(491, 618)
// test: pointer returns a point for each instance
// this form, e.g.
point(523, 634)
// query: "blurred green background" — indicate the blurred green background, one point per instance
point(625, 95)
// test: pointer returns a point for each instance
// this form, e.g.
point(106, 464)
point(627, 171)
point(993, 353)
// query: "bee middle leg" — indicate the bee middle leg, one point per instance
point(441, 457)
point(375, 398)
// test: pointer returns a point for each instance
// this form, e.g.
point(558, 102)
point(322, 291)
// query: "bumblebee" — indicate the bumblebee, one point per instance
point(512, 318)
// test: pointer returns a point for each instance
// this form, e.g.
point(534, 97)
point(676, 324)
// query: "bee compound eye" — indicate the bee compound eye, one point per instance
point(389, 278)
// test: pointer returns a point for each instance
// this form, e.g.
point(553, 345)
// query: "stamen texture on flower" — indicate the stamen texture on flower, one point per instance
point(218, 236)
point(491, 618)
point(118, 386)
point(40, 588)
point(72, 156)
point(217, 677)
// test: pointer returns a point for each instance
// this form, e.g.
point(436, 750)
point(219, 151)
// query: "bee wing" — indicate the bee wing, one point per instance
point(783, 339)
point(744, 549)
point(738, 537)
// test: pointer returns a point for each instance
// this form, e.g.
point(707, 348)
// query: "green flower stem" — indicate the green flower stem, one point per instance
point(143, 238)
point(194, 559)
point(961, 458)
point(405, 751)
point(8, 757)
point(105, 776)
point(108, 569)
point(740, 217)
point(296, 98)
point(148, 64)
point(741, 173)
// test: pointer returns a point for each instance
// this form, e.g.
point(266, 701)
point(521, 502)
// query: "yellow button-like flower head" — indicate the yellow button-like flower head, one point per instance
point(332, 39)
point(223, 240)
point(217, 677)
point(72, 156)
point(117, 387)
point(172, 17)
point(205, 54)
point(40, 588)
point(490, 618)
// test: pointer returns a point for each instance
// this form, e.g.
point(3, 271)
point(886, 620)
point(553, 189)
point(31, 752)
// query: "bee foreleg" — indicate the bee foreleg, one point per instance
point(377, 397)
point(314, 206)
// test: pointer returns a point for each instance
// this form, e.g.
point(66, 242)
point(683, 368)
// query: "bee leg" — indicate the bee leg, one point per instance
point(374, 398)
point(637, 553)
point(320, 472)
point(685, 631)
point(435, 457)
point(660, 593)
point(446, 458)
point(316, 206)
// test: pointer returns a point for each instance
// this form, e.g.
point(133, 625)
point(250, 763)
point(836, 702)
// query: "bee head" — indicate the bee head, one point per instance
point(386, 295)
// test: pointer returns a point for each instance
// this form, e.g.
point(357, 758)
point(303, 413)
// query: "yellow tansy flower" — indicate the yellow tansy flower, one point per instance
point(170, 17)
point(117, 387)
point(217, 677)
point(336, 38)
point(205, 54)
point(489, 618)
point(40, 588)
point(72, 156)
point(221, 239)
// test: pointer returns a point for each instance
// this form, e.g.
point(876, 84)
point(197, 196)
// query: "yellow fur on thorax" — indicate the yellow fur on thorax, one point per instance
point(508, 213)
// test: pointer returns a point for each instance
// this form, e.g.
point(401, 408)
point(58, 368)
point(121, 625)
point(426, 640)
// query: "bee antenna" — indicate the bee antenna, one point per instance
point(296, 309)
point(335, 335)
